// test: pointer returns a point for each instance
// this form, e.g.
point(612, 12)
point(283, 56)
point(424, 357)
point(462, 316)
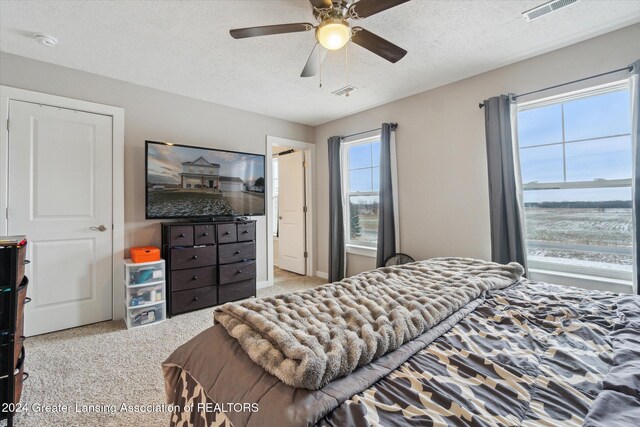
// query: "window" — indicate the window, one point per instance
point(575, 161)
point(361, 170)
point(274, 168)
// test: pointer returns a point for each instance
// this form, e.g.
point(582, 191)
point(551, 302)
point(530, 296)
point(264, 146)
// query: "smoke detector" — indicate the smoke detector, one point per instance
point(344, 90)
point(546, 8)
point(45, 40)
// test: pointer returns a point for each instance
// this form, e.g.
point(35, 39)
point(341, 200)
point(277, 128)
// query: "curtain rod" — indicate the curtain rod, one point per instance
point(393, 127)
point(628, 68)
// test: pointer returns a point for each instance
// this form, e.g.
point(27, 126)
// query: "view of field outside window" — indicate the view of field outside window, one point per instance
point(575, 159)
point(363, 183)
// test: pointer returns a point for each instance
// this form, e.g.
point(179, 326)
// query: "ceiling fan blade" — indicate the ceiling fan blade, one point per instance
point(313, 63)
point(267, 30)
point(366, 8)
point(320, 4)
point(377, 45)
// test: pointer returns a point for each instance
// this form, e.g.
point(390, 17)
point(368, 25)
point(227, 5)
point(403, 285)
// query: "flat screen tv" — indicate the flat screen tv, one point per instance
point(197, 182)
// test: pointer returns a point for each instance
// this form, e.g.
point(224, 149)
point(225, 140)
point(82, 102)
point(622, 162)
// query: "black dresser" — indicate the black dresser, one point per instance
point(208, 263)
point(13, 297)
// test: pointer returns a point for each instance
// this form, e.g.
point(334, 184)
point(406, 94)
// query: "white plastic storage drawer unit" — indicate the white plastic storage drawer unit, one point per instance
point(145, 293)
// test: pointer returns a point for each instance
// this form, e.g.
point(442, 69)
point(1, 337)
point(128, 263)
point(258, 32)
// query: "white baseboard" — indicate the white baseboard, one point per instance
point(264, 284)
point(322, 275)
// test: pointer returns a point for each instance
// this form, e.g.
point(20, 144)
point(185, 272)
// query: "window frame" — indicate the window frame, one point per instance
point(354, 246)
point(574, 269)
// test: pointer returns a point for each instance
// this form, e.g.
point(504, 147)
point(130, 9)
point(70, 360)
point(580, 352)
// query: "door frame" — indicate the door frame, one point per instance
point(8, 94)
point(310, 154)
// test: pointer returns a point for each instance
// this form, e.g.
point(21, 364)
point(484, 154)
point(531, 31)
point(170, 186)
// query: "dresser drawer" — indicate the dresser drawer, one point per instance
point(5, 300)
point(235, 252)
point(6, 349)
point(193, 278)
point(237, 272)
point(193, 257)
point(18, 377)
point(246, 231)
point(204, 234)
point(181, 235)
point(227, 233)
point(194, 299)
point(236, 291)
point(5, 261)
point(15, 346)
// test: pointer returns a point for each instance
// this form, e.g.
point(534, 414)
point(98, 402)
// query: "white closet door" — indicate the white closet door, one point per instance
point(60, 196)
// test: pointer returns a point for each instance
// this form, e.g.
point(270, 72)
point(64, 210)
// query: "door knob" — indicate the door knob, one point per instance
point(100, 228)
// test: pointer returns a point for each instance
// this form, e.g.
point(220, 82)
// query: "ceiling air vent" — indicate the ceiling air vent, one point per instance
point(344, 90)
point(546, 8)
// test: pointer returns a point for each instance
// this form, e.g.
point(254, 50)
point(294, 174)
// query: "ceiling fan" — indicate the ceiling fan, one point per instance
point(333, 30)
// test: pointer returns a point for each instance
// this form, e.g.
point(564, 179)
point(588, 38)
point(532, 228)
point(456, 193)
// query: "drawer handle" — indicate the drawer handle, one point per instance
point(195, 298)
point(195, 278)
point(245, 232)
point(237, 253)
point(26, 261)
point(27, 300)
point(205, 234)
point(226, 233)
point(239, 271)
point(195, 257)
point(181, 235)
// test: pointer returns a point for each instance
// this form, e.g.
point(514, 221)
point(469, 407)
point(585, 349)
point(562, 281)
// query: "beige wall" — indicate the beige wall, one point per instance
point(155, 115)
point(443, 190)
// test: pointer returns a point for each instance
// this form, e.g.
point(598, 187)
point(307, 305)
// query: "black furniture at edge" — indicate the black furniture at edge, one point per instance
point(13, 297)
point(208, 263)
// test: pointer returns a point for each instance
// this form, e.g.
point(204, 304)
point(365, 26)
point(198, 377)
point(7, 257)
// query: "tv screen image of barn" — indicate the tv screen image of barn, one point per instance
point(190, 182)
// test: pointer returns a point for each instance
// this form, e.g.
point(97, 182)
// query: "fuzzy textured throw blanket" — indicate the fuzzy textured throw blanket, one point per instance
point(309, 338)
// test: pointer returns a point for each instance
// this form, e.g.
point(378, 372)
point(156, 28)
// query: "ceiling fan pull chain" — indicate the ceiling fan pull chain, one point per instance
point(320, 66)
point(346, 66)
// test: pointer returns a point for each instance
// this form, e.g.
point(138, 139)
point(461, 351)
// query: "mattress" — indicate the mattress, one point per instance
point(530, 354)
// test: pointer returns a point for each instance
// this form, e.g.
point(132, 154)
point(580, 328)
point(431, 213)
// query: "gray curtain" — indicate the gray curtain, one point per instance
point(386, 220)
point(507, 228)
point(336, 217)
point(635, 141)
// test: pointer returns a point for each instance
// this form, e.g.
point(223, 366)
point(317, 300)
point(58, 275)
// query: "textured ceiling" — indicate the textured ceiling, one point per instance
point(184, 47)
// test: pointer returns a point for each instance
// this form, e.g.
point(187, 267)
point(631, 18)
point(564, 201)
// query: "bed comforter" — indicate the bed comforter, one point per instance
point(529, 354)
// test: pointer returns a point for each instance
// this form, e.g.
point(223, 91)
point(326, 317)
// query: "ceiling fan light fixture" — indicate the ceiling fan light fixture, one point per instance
point(332, 34)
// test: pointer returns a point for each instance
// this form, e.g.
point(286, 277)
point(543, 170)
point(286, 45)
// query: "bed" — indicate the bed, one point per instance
point(455, 341)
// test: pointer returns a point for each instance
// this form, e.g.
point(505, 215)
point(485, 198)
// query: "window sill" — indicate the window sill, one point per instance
point(585, 281)
point(596, 272)
point(362, 250)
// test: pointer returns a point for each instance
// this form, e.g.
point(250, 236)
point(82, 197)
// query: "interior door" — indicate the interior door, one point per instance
point(291, 202)
point(60, 196)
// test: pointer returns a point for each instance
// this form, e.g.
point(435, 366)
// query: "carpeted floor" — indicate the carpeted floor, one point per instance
point(106, 364)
